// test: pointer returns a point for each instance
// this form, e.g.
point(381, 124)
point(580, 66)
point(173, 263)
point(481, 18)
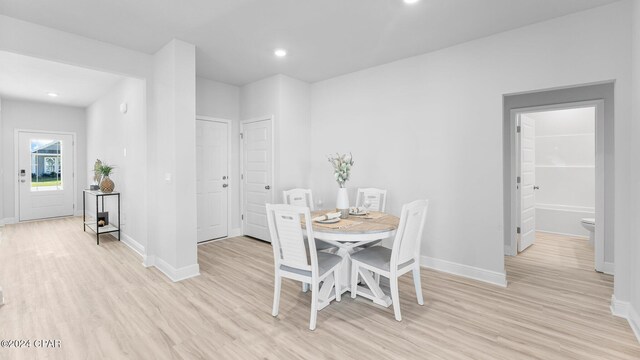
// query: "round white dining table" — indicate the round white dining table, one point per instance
point(348, 235)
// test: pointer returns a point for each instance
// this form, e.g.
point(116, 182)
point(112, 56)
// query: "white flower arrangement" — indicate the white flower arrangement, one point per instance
point(341, 167)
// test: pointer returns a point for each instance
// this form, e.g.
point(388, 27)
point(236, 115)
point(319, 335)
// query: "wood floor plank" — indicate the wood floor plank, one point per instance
point(100, 302)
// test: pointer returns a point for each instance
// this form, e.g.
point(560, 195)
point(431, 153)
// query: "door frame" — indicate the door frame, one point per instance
point(599, 172)
point(229, 147)
point(16, 167)
point(273, 161)
point(515, 114)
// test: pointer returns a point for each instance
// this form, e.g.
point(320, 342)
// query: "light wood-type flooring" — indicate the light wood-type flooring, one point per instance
point(100, 302)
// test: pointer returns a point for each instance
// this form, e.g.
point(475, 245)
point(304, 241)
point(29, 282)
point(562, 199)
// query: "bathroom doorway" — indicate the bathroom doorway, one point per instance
point(559, 173)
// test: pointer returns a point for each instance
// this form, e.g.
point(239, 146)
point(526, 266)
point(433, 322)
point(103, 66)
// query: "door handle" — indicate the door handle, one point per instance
point(23, 180)
point(224, 178)
point(536, 187)
point(267, 187)
point(225, 185)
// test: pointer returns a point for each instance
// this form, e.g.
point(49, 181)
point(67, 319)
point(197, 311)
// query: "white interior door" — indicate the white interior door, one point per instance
point(257, 175)
point(212, 179)
point(527, 185)
point(45, 175)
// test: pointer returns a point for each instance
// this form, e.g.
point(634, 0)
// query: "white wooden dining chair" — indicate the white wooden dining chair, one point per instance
point(297, 259)
point(393, 263)
point(298, 197)
point(375, 198)
point(304, 198)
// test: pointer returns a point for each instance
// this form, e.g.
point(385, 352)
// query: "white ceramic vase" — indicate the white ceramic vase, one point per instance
point(342, 202)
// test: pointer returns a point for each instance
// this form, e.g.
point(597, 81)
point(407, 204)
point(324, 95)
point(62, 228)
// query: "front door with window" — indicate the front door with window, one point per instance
point(45, 175)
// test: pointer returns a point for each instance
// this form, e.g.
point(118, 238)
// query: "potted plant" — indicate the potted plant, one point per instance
point(341, 171)
point(106, 184)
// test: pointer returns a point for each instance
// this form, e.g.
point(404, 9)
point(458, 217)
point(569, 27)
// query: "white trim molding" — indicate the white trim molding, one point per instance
point(624, 309)
point(148, 261)
point(172, 273)
point(232, 234)
point(508, 250)
point(634, 321)
point(619, 308)
point(133, 245)
point(8, 221)
point(488, 276)
point(608, 268)
point(235, 232)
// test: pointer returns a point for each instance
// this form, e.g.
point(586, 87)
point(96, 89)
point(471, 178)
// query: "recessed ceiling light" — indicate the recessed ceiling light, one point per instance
point(410, 1)
point(52, 94)
point(280, 52)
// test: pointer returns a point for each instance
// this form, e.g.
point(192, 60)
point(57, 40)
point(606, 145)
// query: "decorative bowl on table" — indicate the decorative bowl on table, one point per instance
point(358, 211)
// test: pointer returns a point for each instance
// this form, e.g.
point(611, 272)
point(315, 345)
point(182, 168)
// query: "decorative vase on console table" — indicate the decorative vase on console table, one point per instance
point(106, 184)
point(341, 171)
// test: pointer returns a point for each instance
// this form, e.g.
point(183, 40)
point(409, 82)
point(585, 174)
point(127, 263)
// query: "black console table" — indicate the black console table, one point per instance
point(93, 224)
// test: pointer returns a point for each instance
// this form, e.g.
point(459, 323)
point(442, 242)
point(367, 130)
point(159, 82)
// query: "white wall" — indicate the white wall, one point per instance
point(1, 170)
point(109, 134)
point(634, 310)
point(287, 99)
point(430, 126)
point(219, 100)
point(28, 115)
point(172, 167)
point(565, 169)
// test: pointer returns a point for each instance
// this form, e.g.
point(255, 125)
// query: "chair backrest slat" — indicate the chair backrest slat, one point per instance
point(406, 245)
point(288, 237)
point(377, 198)
point(298, 197)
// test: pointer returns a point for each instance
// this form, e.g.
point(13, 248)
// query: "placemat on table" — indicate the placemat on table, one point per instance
point(342, 224)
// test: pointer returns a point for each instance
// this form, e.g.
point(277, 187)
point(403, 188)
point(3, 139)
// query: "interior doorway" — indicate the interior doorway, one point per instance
point(559, 175)
point(212, 177)
point(45, 171)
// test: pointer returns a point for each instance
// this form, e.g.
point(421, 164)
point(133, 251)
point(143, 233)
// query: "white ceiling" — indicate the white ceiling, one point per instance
point(324, 38)
point(24, 77)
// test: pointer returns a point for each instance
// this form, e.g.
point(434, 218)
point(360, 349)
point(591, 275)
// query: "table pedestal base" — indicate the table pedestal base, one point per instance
point(373, 292)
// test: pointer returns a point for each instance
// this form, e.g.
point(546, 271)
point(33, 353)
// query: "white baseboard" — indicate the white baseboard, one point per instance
point(148, 261)
point(508, 251)
point(235, 232)
point(8, 221)
point(133, 244)
point(174, 274)
point(624, 309)
point(619, 308)
point(488, 276)
point(608, 268)
point(564, 234)
point(232, 234)
point(78, 213)
point(634, 321)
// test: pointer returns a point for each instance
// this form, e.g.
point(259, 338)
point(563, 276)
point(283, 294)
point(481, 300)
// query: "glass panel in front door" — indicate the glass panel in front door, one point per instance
point(46, 165)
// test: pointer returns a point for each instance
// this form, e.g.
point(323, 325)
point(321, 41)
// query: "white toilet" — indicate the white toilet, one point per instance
point(589, 224)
